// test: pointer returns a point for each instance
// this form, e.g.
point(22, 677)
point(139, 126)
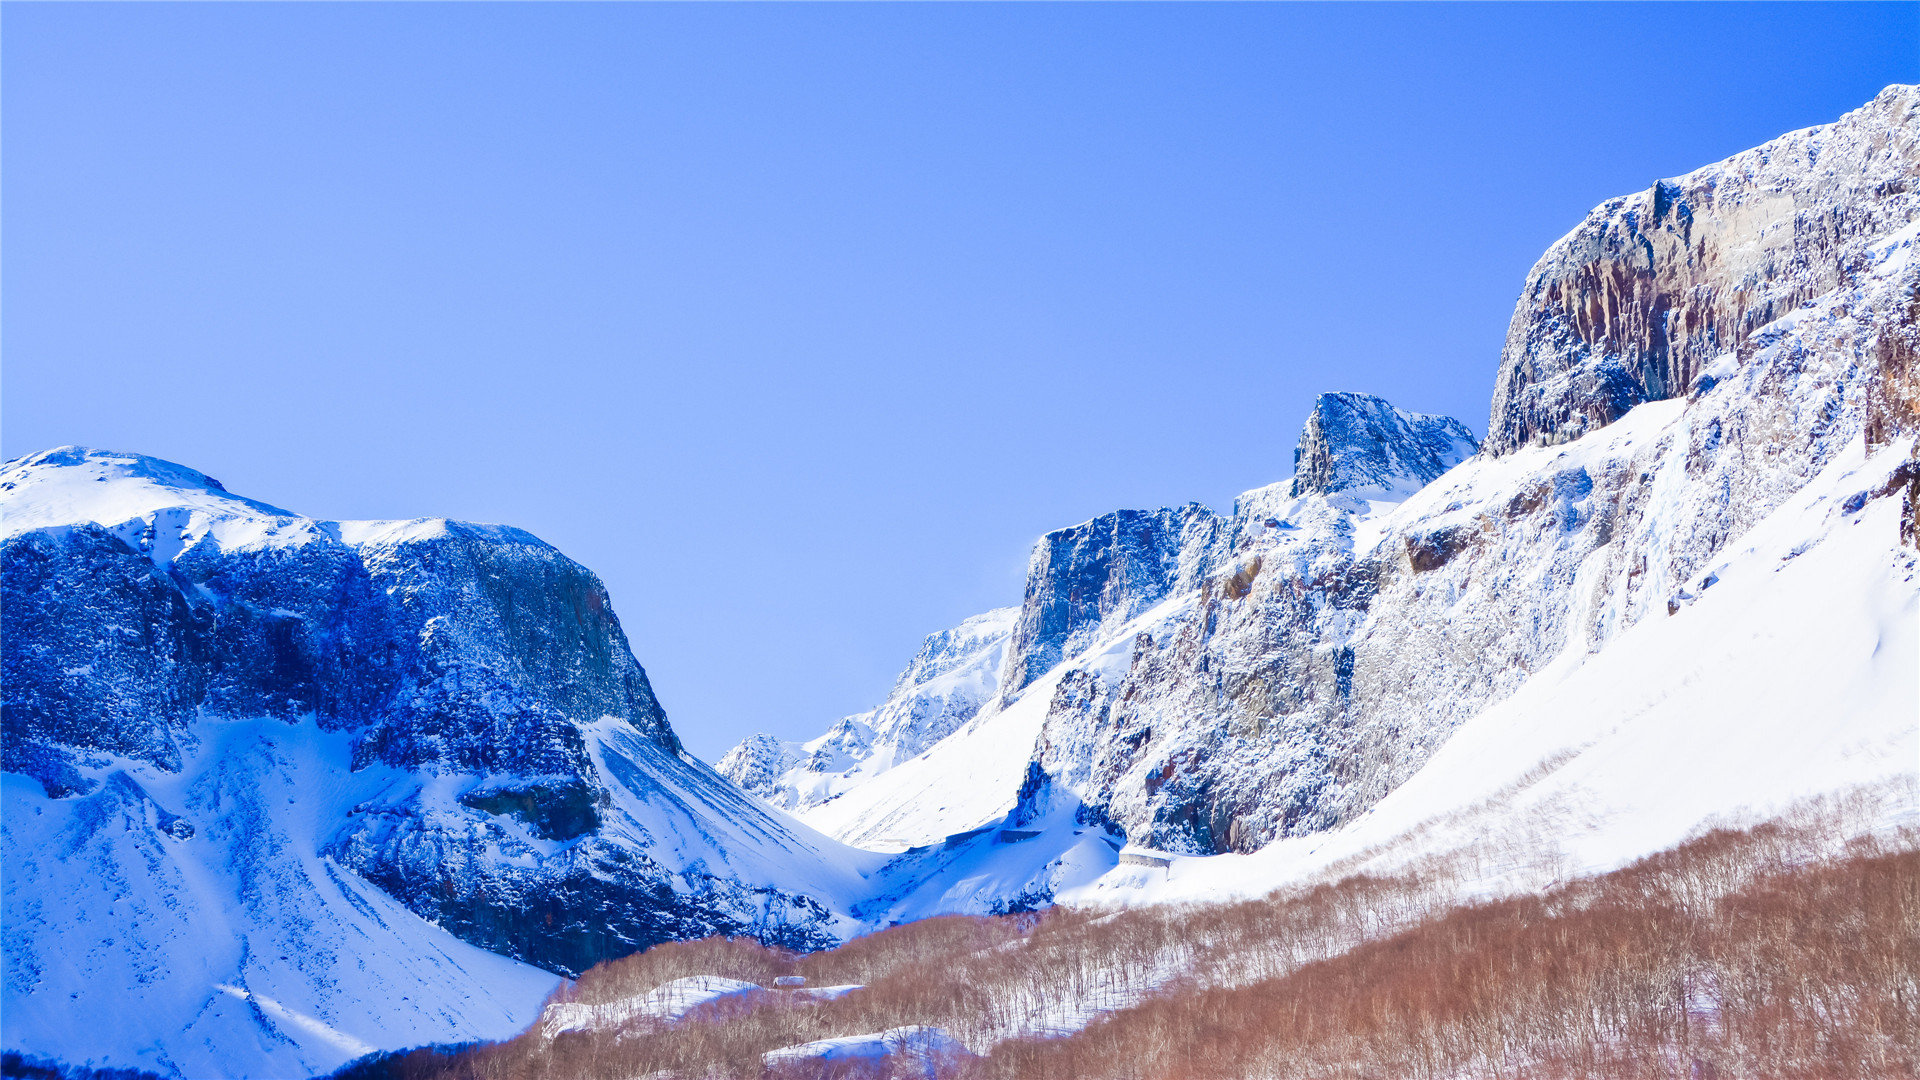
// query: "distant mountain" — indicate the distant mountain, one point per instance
point(286, 778)
point(955, 672)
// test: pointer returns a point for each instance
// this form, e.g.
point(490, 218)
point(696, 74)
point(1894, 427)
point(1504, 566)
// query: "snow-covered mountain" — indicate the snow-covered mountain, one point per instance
point(955, 672)
point(1704, 385)
point(1096, 591)
point(273, 784)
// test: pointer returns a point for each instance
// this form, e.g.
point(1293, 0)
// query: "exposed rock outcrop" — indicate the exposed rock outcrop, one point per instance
point(1088, 579)
point(1309, 677)
point(1363, 446)
point(1678, 369)
point(1638, 300)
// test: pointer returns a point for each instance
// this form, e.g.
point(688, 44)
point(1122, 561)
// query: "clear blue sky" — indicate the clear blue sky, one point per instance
point(800, 323)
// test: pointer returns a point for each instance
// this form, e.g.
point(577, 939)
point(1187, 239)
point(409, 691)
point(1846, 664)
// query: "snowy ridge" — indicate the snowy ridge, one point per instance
point(1376, 455)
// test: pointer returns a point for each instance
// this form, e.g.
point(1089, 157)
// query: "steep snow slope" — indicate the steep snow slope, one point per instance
point(451, 714)
point(186, 923)
point(955, 672)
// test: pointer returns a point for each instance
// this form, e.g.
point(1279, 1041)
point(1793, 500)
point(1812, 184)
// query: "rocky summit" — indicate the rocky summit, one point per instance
point(1644, 295)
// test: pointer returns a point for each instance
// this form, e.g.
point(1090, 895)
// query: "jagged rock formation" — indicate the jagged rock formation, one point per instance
point(1362, 445)
point(452, 709)
point(1085, 581)
point(1633, 304)
point(955, 672)
point(1093, 587)
point(1211, 738)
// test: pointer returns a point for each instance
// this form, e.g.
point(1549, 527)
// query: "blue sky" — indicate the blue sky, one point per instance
point(800, 323)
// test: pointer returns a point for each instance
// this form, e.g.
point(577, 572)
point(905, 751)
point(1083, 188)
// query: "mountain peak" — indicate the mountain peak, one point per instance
point(1359, 443)
point(71, 485)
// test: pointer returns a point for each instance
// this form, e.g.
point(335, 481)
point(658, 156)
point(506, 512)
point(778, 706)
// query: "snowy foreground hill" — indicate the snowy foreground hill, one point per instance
point(280, 791)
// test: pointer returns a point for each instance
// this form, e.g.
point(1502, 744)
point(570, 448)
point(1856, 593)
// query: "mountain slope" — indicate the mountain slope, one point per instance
point(454, 716)
point(1097, 590)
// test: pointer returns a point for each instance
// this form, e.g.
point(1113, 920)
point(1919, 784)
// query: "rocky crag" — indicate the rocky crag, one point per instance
point(1636, 302)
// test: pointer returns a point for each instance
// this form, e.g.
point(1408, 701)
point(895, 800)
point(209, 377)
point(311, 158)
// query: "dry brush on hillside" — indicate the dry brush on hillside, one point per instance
point(1763, 952)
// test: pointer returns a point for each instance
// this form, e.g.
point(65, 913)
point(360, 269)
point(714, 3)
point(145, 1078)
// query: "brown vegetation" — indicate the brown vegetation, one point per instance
point(1654, 971)
point(1755, 953)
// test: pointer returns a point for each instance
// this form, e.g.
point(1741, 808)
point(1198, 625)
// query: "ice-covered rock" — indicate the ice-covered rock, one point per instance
point(1362, 446)
point(1085, 580)
point(1100, 592)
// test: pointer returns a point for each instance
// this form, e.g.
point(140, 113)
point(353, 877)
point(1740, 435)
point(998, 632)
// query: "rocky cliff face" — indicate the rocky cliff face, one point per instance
point(1098, 575)
point(1093, 587)
point(1310, 676)
point(511, 776)
point(1638, 300)
point(1212, 738)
